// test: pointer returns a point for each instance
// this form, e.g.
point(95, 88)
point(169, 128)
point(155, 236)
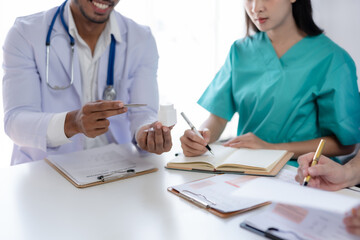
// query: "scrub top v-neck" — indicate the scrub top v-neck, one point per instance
point(309, 92)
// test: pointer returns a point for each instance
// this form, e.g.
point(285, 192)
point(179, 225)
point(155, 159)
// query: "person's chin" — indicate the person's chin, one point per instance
point(262, 28)
point(98, 19)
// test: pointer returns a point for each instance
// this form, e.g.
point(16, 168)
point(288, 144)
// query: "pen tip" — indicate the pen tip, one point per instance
point(305, 184)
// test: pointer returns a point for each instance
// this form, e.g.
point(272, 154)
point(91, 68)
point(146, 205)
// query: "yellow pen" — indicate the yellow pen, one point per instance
point(315, 160)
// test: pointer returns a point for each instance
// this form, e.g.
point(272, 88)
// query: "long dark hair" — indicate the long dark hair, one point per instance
point(302, 12)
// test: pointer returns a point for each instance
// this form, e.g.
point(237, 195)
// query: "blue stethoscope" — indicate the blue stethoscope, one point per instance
point(109, 91)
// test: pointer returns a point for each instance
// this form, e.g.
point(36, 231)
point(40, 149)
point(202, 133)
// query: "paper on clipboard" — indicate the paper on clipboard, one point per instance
point(98, 165)
point(216, 193)
point(283, 192)
point(281, 221)
point(298, 212)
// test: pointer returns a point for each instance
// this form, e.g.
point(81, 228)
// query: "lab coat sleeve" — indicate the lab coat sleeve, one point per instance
point(24, 121)
point(55, 135)
point(144, 88)
point(339, 104)
point(218, 97)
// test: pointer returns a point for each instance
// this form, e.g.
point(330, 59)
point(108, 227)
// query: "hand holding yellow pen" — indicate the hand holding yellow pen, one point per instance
point(315, 160)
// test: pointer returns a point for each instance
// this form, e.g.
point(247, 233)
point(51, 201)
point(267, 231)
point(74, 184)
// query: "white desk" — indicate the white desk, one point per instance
point(38, 203)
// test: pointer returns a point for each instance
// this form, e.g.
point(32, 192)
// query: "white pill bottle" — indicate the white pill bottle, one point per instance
point(167, 115)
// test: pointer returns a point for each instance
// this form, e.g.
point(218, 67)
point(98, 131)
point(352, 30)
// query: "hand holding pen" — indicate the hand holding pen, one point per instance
point(315, 160)
point(326, 174)
point(92, 118)
point(193, 142)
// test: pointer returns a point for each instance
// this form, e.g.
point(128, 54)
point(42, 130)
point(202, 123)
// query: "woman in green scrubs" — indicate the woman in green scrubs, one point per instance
point(289, 83)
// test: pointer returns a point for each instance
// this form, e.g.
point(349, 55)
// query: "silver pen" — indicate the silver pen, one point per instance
point(113, 175)
point(135, 105)
point(195, 130)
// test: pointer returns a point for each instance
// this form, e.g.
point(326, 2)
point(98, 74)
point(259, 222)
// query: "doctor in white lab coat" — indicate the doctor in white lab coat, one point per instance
point(41, 120)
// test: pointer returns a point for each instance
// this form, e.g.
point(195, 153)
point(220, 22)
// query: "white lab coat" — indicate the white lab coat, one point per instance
point(29, 103)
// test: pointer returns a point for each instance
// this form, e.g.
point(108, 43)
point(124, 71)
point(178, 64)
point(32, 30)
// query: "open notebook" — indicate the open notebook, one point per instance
point(226, 159)
point(99, 165)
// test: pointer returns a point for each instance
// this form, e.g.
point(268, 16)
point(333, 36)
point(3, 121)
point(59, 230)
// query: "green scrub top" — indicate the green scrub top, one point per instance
point(310, 92)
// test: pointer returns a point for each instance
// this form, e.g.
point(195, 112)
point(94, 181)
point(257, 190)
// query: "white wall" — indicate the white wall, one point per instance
point(341, 21)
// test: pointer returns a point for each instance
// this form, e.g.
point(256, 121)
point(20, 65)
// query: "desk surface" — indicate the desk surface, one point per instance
point(38, 203)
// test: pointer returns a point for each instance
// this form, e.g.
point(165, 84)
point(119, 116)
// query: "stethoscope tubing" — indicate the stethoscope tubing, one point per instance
point(111, 63)
point(59, 11)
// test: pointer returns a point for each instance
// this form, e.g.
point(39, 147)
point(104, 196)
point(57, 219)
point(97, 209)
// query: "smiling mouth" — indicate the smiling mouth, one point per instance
point(101, 6)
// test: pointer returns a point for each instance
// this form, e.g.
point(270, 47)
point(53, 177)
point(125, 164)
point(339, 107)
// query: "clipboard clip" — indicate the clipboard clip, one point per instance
point(270, 233)
point(111, 176)
point(200, 199)
point(270, 230)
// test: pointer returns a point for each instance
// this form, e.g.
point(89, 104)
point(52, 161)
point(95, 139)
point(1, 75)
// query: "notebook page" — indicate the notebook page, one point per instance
point(220, 154)
point(260, 158)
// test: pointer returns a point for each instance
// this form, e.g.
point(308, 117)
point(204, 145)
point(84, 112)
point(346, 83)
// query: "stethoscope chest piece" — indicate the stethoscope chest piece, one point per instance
point(109, 93)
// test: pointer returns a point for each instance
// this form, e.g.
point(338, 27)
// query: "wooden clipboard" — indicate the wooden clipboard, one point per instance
point(209, 208)
point(98, 182)
point(212, 210)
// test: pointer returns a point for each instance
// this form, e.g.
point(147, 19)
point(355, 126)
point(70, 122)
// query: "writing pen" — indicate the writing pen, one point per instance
point(195, 130)
point(315, 160)
point(110, 176)
point(135, 105)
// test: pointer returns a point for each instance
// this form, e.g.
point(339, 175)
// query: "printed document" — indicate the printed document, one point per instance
point(87, 166)
point(298, 212)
